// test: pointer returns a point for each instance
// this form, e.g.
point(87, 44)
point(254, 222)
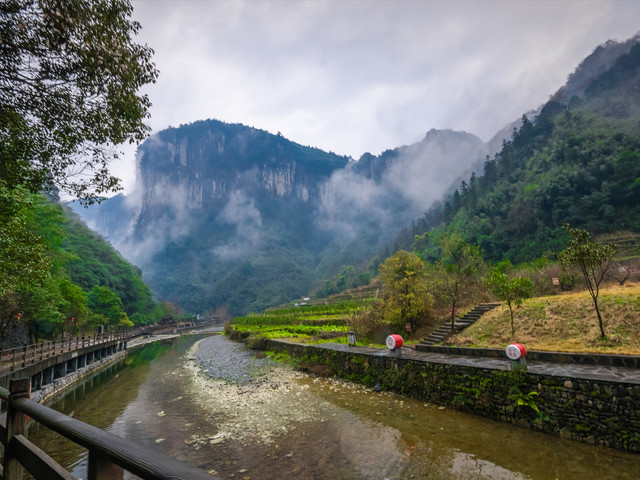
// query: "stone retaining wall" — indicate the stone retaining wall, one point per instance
point(627, 361)
point(590, 411)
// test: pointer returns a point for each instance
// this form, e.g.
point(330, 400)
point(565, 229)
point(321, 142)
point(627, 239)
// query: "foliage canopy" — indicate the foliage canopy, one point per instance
point(406, 297)
point(69, 79)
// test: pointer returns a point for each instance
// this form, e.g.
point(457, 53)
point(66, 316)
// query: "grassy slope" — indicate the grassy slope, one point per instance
point(564, 322)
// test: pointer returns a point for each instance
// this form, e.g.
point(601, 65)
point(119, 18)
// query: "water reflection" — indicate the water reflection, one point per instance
point(310, 428)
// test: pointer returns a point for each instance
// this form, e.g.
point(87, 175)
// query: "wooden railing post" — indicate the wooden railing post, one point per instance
point(101, 469)
point(19, 388)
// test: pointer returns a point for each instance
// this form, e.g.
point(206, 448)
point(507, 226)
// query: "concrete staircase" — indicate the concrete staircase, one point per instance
point(444, 331)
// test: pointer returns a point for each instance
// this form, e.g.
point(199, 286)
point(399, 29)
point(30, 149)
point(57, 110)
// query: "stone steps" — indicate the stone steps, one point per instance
point(444, 331)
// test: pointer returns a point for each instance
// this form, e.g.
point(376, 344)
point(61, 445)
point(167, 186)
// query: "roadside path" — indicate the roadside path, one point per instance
point(589, 372)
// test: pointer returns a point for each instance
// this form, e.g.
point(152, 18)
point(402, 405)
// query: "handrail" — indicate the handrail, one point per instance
point(19, 357)
point(106, 450)
point(65, 344)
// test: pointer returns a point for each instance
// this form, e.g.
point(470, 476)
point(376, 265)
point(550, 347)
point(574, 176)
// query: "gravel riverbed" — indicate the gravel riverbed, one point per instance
point(221, 359)
point(251, 399)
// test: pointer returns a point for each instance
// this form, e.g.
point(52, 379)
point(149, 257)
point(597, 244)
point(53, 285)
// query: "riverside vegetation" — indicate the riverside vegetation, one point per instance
point(596, 412)
point(564, 322)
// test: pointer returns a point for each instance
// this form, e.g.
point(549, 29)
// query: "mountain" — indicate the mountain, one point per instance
point(228, 215)
point(600, 60)
point(577, 162)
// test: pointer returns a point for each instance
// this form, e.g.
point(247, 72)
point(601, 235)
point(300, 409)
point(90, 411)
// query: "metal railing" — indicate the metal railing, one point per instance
point(109, 454)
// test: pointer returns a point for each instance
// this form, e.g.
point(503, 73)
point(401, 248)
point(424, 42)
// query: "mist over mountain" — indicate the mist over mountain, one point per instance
point(228, 215)
point(576, 162)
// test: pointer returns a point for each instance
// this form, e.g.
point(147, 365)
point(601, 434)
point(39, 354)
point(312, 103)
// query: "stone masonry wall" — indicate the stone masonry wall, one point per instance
point(590, 411)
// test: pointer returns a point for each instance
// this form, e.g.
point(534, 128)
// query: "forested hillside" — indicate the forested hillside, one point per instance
point(70, 280)
point(93, 261)
point(576, 163)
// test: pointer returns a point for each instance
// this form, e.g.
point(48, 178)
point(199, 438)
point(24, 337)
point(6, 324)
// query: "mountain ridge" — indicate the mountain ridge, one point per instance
point(227, 215)
point(233, 194)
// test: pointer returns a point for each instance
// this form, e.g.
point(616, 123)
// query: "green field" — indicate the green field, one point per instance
point(305, 323)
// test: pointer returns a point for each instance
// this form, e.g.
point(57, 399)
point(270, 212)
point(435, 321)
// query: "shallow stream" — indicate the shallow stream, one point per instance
point(267, 421)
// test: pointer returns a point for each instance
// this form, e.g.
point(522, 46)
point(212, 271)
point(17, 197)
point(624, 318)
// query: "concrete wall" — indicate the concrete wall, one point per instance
point(590, 411)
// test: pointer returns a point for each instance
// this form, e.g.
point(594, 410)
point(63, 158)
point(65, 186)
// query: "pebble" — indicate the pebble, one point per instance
point(221, 359)
point(253, 400)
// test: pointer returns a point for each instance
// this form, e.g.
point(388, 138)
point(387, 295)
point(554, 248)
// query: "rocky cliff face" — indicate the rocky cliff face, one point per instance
point(227, 215)
point(199, 167)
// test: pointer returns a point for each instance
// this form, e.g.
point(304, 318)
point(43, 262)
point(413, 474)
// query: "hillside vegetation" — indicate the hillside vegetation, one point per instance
point(565, 322)
point(577, 163)
point(81, 282)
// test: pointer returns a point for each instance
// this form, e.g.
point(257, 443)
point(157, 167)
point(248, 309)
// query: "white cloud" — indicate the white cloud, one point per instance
point(242, 213)
point(356, 76)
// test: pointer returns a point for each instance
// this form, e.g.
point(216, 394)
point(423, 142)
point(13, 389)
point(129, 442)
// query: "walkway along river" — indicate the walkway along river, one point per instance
point(213, 404)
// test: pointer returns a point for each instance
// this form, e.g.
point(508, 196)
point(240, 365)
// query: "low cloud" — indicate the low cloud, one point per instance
point(412, 179)
point(242, 213)
point(349, 199)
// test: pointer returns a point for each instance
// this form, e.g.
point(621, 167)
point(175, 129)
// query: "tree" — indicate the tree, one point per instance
point(24, 264)
point(345, 277)
point(76, 303)
point(620, 273)
point(106, 306)
point(592, 259)
point(512, 291)
point(459, 261)
point(69, 77)
point(406, 299)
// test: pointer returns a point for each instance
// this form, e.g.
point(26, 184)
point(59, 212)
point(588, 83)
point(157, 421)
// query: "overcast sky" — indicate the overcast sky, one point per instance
point(364, 76)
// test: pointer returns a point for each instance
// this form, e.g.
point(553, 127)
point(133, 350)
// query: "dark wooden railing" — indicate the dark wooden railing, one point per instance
point(16, 358)
point(20, 357)
point(109, 454)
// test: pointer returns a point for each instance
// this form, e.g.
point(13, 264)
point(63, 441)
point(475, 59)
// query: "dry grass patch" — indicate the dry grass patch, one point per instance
point(565, 322)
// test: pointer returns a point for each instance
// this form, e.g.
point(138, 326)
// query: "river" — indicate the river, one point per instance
point(262, 420)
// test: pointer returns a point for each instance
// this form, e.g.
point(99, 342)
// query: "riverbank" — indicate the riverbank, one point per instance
point(260, 399)
point(590, 404)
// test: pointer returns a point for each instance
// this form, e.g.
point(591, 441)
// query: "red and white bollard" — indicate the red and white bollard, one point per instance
point(394, 344)
point(517, 353)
